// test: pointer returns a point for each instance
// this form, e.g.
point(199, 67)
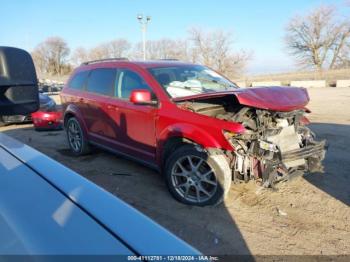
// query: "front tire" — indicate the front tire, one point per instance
point(76, 138)
point(195, 177)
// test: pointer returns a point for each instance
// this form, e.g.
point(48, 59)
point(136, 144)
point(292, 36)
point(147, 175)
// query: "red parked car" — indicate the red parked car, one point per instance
point(47, 120)
point(192, 124)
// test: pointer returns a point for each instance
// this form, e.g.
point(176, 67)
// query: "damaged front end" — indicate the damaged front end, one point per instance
point(276, 144)
point(275, 147)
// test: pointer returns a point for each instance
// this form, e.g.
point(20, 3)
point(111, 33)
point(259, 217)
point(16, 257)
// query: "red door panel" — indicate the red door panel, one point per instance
point(137, 124)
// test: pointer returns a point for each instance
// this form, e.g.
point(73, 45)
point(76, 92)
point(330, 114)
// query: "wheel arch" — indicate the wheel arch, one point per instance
point(73, 111)
point(173, 143)
point(177, 135)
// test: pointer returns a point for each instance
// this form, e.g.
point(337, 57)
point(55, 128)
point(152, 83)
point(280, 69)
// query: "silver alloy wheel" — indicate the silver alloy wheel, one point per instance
point(74, 136)
point(193, 179)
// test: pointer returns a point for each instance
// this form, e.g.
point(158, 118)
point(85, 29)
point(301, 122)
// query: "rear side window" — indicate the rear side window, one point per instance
point(79, 80)
point(101, 81)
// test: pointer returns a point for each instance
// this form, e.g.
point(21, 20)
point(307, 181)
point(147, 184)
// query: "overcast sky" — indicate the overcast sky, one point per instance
point(257, 26)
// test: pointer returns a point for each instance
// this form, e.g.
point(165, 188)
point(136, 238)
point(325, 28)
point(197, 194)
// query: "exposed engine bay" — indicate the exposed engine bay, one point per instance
point(276, 145)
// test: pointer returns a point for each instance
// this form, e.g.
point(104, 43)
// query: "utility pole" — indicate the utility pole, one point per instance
point(144, 22)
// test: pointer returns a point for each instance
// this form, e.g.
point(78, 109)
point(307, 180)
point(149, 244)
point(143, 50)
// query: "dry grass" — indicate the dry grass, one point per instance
point(329, 75)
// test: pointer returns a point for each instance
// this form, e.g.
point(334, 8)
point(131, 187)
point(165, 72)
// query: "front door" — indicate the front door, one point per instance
point(136, 123)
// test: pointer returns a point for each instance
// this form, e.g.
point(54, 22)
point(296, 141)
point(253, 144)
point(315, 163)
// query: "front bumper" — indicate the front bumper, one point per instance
point(265, 161)
point(310, 155)
point(313, 153)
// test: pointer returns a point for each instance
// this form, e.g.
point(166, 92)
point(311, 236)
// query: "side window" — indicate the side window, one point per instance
point(101, 81)
point(129, 81)
point(79, 80)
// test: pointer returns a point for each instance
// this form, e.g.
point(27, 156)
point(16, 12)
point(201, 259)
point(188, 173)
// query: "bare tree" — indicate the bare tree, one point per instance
point(214, 49)
point(344, 58)
point(164, 49)
point(98, 52)
point(318, 39)
point(51, 55)
point(118, 48)
point(79, 56)
point(40, 59)
point(112, 49)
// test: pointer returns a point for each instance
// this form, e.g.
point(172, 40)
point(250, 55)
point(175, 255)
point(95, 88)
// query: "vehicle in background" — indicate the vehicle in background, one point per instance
point(44, 121)
point(50, 88)
point(47, 209)
point(43, 88)
point(47, 104)
point(192, 124)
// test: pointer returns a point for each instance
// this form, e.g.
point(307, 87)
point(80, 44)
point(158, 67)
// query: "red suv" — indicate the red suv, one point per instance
point(192, 124)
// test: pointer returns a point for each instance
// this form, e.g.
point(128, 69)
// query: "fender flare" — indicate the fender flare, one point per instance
point(75, 111)
point(186, 131)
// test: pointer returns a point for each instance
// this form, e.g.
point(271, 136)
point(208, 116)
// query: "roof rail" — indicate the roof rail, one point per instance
point(105, 60)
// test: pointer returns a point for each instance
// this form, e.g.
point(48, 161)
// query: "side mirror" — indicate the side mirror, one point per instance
point(18, 82)
point(141, 97)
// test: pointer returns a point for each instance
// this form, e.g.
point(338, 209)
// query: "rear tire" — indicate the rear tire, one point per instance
point(195, 177)
point(76, 138)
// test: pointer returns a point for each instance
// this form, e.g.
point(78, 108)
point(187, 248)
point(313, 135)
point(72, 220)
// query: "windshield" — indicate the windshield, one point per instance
point(181, 81)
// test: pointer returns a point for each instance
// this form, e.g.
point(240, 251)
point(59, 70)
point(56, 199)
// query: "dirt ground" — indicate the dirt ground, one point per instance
point(308, 215)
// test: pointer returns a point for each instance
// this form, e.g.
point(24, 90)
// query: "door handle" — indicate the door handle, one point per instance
point(109, 107)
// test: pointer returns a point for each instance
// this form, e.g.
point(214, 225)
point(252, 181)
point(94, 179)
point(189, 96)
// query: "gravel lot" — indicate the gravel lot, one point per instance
point(308, 215)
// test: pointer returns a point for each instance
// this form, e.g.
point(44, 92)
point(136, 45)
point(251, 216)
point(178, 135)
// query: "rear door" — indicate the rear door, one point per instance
point(74, 92)
point(100, 89)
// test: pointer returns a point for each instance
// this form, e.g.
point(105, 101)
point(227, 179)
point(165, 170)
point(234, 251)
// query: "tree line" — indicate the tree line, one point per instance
point(318, 40)
point(212, 48)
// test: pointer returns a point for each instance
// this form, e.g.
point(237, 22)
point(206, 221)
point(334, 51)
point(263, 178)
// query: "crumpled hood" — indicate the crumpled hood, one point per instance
point(273, 98)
